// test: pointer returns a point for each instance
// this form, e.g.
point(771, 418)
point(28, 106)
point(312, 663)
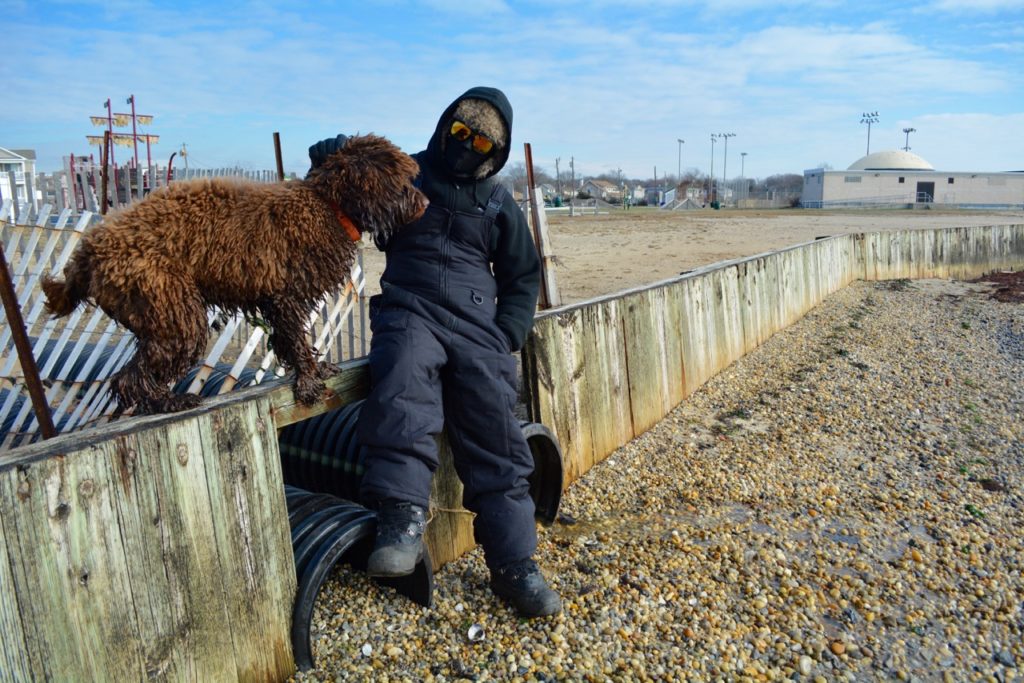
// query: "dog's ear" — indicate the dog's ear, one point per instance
point(372, 181)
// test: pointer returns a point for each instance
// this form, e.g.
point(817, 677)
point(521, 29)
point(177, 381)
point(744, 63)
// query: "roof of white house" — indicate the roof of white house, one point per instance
point(18, 154)
point(891, 160)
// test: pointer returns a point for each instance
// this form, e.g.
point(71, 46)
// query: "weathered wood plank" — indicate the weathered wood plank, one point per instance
point(252, 536)
point(351, 384)
point(14, 659)
point(605, 383)
point(450, 531)
point(167, 519)
point(555, 364)
point(71, 566)
point(651, 358)
point(154, 549)
point(695, 339)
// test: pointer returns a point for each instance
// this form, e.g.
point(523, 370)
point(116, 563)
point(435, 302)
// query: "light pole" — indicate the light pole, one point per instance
point(725, 156)
point(869, 118)
point(743, 176)
point(679, 167)
point(908, 131)
point(711, 175)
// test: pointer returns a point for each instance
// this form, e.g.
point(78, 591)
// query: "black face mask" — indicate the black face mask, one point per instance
point(461, 158)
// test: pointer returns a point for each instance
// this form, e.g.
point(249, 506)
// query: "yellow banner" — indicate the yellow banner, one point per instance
point(98, 120)
point(95, 139)
point(121, 120)
point(122, 140)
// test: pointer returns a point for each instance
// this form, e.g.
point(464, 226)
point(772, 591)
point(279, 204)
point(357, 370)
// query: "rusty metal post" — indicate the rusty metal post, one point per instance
point(24, 347)
point(542, 302)
point(548, 287)
point(104, 155)
point(277, 154)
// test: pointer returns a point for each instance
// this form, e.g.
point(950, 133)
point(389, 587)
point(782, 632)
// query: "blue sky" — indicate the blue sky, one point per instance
point(612, 83)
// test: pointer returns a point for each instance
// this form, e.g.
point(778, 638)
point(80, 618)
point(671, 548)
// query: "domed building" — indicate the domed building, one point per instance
point(896, 177)
point(891, 160)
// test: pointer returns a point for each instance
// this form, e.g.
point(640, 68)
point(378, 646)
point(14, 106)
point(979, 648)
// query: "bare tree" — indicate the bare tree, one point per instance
point(516, 173)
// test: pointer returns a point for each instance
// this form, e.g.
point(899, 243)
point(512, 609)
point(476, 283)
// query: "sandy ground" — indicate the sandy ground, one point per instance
point(609, 252)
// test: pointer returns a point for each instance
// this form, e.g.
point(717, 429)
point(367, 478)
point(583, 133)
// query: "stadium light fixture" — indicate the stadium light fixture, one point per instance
point(869, 118)
point(908, 131)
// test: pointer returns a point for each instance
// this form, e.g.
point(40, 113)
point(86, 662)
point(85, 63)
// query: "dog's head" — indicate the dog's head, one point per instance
point(371, 180)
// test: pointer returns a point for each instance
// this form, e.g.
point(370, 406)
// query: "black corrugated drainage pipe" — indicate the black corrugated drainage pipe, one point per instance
point(323, 454)
point(325, 531)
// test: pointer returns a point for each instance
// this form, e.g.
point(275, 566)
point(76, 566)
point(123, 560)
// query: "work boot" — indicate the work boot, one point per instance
point(399, 543)
point(522, 584)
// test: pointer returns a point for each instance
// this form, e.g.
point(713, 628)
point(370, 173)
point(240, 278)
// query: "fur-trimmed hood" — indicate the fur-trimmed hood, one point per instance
point(468, 104)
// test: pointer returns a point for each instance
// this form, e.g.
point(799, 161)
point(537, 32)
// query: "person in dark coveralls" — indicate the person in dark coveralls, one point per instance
point(458, 296)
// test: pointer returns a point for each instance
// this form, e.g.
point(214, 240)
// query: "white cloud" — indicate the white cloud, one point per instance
point(976, 6)
point(612, 95)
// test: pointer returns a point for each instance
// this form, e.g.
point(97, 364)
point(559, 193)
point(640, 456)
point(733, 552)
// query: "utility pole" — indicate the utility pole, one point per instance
point(679, 163)
point(869, 118)
point(572, 186)
point(725, 156)
point(743, 175)
point(558, 179)
point(711, 174)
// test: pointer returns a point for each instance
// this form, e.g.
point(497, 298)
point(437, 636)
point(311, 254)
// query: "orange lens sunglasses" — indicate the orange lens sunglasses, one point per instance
point(481, 143)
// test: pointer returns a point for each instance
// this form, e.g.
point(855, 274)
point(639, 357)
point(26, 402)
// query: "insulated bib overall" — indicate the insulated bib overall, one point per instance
point(439, 361)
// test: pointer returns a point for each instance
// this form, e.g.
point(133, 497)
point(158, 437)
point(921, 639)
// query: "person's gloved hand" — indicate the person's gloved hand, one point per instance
point(319, 152)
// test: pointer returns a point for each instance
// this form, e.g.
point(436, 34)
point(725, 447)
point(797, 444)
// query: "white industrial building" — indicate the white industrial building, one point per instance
point(902, 178)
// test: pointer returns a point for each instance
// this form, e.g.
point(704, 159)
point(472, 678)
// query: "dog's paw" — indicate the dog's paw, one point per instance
point(325, 369)
point(308, 390)
point(174, 404)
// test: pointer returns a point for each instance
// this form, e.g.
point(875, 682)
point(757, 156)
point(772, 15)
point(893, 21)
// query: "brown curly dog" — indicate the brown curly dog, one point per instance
point(268, 250)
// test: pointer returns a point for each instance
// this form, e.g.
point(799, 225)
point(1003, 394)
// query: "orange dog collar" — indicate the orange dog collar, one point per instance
point(346, 222)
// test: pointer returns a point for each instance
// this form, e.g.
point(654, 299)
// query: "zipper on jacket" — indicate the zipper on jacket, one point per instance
point(446, 244)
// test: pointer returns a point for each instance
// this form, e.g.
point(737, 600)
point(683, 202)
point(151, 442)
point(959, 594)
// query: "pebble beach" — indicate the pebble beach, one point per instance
point(843, 503)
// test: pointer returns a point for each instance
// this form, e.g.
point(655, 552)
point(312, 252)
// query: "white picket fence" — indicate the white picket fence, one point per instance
point(76, 355)
point(79, 185)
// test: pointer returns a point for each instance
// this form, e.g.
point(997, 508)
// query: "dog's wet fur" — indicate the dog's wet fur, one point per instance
point(268, 250)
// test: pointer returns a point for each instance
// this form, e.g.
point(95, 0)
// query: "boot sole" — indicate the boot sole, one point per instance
point(549, 608)
point(385, 570)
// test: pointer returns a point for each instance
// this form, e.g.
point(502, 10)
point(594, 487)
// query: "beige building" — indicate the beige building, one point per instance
point(900, 178)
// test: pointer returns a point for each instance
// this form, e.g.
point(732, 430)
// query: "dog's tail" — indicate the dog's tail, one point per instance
point(64, 296)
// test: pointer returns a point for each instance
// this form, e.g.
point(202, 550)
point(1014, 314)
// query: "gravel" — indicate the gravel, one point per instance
point(844, 503)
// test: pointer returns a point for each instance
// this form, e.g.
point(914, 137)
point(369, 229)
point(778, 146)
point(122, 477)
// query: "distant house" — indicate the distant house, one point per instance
point(21, 162)
point(654, 194)
point(547, 190)
point(601, 189)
